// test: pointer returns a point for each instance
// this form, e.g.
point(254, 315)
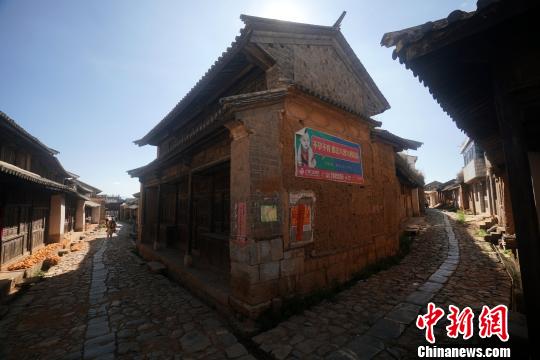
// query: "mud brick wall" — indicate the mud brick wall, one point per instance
point(354, 225)
point(320, 68)
point(257, 249)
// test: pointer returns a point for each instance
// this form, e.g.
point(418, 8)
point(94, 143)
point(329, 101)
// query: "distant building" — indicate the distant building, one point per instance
point(129, 209)
point(111, 204)
point(431, 193)
point(486, 191)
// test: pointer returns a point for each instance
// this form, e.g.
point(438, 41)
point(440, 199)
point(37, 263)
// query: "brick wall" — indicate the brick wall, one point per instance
point(354, 225)
point(322, 69)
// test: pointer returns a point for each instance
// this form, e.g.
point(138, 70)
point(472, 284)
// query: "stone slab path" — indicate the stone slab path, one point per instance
point(376, 318)
point(103, 303)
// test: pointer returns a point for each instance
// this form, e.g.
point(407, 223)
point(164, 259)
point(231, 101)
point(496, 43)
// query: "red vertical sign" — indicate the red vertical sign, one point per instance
point(241, 232)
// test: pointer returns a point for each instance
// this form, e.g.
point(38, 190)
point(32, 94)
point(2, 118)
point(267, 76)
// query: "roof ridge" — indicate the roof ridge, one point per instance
point(251, 19)
point(24, 132)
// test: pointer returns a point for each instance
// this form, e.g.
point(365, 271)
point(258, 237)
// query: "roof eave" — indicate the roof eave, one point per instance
point(235, 47)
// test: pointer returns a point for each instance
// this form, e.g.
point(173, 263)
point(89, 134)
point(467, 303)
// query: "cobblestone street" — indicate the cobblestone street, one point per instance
point(102, 302)
point(375, 318)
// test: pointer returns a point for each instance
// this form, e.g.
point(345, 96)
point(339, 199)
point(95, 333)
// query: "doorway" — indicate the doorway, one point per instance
point(211, 217)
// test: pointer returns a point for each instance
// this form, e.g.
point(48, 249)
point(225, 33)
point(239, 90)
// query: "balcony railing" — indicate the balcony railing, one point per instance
point(474, 169)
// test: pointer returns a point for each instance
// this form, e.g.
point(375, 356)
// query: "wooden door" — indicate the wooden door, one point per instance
point(38, 227)
point(14, 232)
point(211, 217)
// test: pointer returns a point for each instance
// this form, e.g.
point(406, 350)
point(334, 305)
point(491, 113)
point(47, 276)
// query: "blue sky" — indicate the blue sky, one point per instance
point(89, 77)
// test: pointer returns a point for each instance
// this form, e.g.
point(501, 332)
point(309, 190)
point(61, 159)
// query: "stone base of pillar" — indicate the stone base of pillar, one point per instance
point(188, 260)
point(56, 238)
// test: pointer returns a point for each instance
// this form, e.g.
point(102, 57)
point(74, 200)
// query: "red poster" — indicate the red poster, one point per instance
point(241, 220)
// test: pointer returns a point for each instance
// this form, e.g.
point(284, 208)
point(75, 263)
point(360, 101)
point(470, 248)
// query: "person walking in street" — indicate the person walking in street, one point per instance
point(111, 228)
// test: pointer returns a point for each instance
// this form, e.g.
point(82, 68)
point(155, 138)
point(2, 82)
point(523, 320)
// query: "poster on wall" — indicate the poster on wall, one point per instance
point(326, 157)
point(239, 221)
point(301, 204)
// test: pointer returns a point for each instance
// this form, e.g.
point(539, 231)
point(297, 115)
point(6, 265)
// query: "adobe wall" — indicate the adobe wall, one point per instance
point(353, 225)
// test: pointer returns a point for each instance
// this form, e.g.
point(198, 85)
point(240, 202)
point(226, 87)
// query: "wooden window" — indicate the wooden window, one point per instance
point(8, 154)
point(20, 160)
point(10, 226)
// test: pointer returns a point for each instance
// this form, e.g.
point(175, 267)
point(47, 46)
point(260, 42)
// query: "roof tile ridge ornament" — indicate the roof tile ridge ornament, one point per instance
point(337, 24)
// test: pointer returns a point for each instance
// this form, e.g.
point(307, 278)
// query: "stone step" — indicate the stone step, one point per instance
point(5, 288)
point(63, 252)
point(156, 267)
point(493, 238)
point(485, 224)
point(8, 283)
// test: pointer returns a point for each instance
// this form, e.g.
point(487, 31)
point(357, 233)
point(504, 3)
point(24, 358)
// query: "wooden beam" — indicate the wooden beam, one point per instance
point(158, 225)
point(255, 54)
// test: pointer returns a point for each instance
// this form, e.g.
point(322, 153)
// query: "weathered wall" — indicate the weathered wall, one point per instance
point(354, 225)
point(366, 215)
point(256, 247)
point(319, 68)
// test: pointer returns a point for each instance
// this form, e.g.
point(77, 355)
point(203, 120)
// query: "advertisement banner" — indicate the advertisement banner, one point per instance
point(323, 156)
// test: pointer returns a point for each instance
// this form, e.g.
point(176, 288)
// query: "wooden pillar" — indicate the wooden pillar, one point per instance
point(57, 218)
point(521, 193)
point(141, 213)
point(158, 223)
point(79, 216)
point(495, 197)
point(473, 198)
point(176, 192)
point(187, 256)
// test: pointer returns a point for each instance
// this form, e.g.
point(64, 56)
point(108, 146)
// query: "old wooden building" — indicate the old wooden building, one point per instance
point(271, 178)
point(38, 204)
point(482, 68)
point(483, 191)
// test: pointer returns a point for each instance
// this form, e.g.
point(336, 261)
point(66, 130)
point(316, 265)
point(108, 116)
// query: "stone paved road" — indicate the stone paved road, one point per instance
point(103, 303)
point(375, 318)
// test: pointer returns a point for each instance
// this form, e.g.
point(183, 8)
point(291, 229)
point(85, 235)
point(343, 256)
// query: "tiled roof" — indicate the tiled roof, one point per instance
point(16, 171)
point(258, 23)
point(252, 23)
point(32, 139)
point(203, 81)
point(434, 185)
point(25, 134)
point(406, 172)
point(92, 204)
point(86, 186)
point(236, 101)
point(398, 142)
point(402, 39)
